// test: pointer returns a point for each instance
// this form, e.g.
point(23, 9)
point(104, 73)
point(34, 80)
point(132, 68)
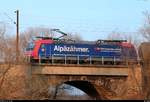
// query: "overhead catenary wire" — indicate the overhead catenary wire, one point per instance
point(9, 17)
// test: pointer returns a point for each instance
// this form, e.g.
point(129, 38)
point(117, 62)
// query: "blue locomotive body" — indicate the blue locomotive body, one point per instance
point(80, 50)
point(105, 52)
point(50, 50)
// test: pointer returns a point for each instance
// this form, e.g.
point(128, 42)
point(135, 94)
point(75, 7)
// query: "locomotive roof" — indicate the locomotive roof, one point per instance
point(93, 42)
point(70, 41)
point(82, 42)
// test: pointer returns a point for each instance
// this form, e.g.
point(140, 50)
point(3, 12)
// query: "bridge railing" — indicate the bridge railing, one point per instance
point(80, 59)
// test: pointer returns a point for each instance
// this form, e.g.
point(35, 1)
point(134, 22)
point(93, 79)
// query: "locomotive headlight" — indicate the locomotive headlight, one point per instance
point(43, 50)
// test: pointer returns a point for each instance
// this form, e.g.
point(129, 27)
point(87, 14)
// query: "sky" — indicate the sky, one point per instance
point(92, 19)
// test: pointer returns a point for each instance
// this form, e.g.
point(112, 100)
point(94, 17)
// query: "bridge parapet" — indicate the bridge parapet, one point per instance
point(81, 70)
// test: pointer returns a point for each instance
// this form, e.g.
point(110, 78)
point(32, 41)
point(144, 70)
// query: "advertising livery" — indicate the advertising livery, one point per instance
point(47, 50)
point(65, 51)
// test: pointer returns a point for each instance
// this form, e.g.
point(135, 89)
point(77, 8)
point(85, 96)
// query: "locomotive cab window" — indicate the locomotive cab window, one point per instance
point(30, 47)
point(42, 46)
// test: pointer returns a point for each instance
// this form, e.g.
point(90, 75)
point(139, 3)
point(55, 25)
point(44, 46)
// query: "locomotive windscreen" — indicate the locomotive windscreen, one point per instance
point(30, 46)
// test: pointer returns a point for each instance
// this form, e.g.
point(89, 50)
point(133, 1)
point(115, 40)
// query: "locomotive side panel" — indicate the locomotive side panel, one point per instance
point(80, 50)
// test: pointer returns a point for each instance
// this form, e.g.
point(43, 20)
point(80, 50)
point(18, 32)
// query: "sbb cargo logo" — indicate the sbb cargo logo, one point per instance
point(70, 49)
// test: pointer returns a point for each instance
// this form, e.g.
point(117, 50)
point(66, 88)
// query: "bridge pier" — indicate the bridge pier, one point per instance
point(53, 83)
point(39, 86)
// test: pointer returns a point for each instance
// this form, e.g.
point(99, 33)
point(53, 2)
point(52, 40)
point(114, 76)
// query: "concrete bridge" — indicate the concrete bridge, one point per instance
point(99, 82)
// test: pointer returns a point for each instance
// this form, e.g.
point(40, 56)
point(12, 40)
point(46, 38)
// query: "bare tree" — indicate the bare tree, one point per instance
point(115, 35)
point(132, 37)
point(145, 30)
point(31, 32)
point(7, 53)
point(6, 44)
point(2, 32)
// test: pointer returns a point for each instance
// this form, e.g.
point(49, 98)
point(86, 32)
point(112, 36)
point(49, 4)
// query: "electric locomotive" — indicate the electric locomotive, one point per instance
point(65, 51)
